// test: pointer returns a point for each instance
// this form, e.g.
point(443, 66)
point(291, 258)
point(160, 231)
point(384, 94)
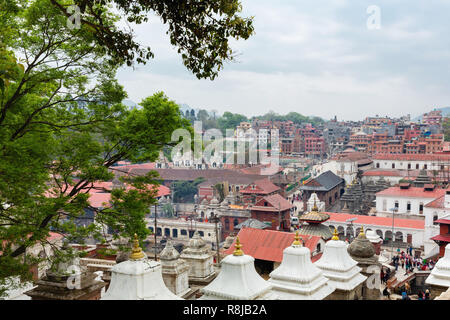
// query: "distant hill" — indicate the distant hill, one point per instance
point(445, 113)
point(131, 104)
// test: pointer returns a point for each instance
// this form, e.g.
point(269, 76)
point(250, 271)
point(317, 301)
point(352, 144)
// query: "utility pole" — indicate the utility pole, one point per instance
point(392, 246)
point(156, 259)
point(215, 219)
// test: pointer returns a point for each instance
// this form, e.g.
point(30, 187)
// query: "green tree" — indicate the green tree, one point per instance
point(230, 120)
point(62, 123)
point(446, 127)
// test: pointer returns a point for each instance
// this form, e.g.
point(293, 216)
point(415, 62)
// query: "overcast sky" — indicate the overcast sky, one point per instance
point(315, 58)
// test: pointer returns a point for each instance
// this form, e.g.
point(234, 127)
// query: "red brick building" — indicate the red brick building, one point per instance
point(274, 210)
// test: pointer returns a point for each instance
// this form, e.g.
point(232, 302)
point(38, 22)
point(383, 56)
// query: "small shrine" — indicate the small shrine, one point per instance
point(439, 278)
point(363, 251)
point(238, 280)
point(341, 270)
point(175, 271)
point(200, 260)
point(138, 279)
point(297, 278)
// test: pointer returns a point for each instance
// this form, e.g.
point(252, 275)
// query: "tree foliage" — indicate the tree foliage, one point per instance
point(200, 30)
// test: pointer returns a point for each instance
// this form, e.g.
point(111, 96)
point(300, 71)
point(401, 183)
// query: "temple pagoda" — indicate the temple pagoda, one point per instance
point(341, 270)
point(314, 226)
point(297, 278)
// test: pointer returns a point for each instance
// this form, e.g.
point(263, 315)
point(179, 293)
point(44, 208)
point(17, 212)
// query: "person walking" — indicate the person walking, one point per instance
point(386, 293)
point(427, 294)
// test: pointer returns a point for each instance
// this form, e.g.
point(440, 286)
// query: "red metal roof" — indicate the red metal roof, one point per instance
point(269, 244)
point(440, 237)
point(411, 192)
point(376, 221)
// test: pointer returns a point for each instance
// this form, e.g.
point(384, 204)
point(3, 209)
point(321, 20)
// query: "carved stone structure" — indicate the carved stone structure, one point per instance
point(138, 279)
point(175, 271)
point(362, 250)
point(68, 282)
point(200, 260)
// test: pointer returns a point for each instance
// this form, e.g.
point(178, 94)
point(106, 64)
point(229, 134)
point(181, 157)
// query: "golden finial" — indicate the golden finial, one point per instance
point(362, 231)
point(314, 208)
point(335, 235)
point(136, 253)
point(238, 246)
point(297, 240)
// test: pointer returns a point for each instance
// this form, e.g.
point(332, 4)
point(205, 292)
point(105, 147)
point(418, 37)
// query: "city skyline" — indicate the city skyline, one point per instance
point(315, 61)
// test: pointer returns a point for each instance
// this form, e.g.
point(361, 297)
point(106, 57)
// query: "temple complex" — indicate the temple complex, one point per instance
point(200, 260)
point(363, 251)
point(439, 279)
point(238, 280)
point(341, 270)
point(138, 279)
point(297, 278)
point(314, 226)
point(175, 271)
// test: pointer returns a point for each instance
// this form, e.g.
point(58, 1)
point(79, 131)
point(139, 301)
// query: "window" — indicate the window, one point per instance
point(417, 166)
point(151, 229)
point(421, 208)
point(434, 220)
point(396, 205)
point(167, 232)
point(227, 224)
point(409, 165)
point(384, 205)
point(408, 206)
point(425, 166)
point(175, 233)
point(393, 166)
point(201, 233)
point(235, 222)
point(183, 232)
point(378, 164)
point(158, 231)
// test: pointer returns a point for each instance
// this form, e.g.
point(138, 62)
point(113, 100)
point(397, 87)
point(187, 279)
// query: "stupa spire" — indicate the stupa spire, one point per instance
point(136, 252)
point(238, 246)
point(297, 240)
point(335, 235)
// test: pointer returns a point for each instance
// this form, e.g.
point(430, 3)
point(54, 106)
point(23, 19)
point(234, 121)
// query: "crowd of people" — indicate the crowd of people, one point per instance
point(410, 262)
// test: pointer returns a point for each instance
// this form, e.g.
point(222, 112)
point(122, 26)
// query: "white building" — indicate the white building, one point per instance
point(409, 201)
point(345, 165)
point(435, 210)
point(410, 231)
point(411, 161)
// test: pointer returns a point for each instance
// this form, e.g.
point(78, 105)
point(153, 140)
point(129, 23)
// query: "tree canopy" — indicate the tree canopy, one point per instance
point(63, 126)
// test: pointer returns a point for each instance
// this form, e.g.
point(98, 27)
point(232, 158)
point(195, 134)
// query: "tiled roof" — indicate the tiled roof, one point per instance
point(411, 157)
point(376, 221)
point(263, 186)
point(384, 173)
point(441, 237)
point(269, 244)
point(324, 182)
point(411, 192)
point(275, 201)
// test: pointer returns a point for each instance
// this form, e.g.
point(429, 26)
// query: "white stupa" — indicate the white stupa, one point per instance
point(341, 269)
point(440, 275)
point(238, 280)
point(314, 201)
point(138, 279)
point(297, 278)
